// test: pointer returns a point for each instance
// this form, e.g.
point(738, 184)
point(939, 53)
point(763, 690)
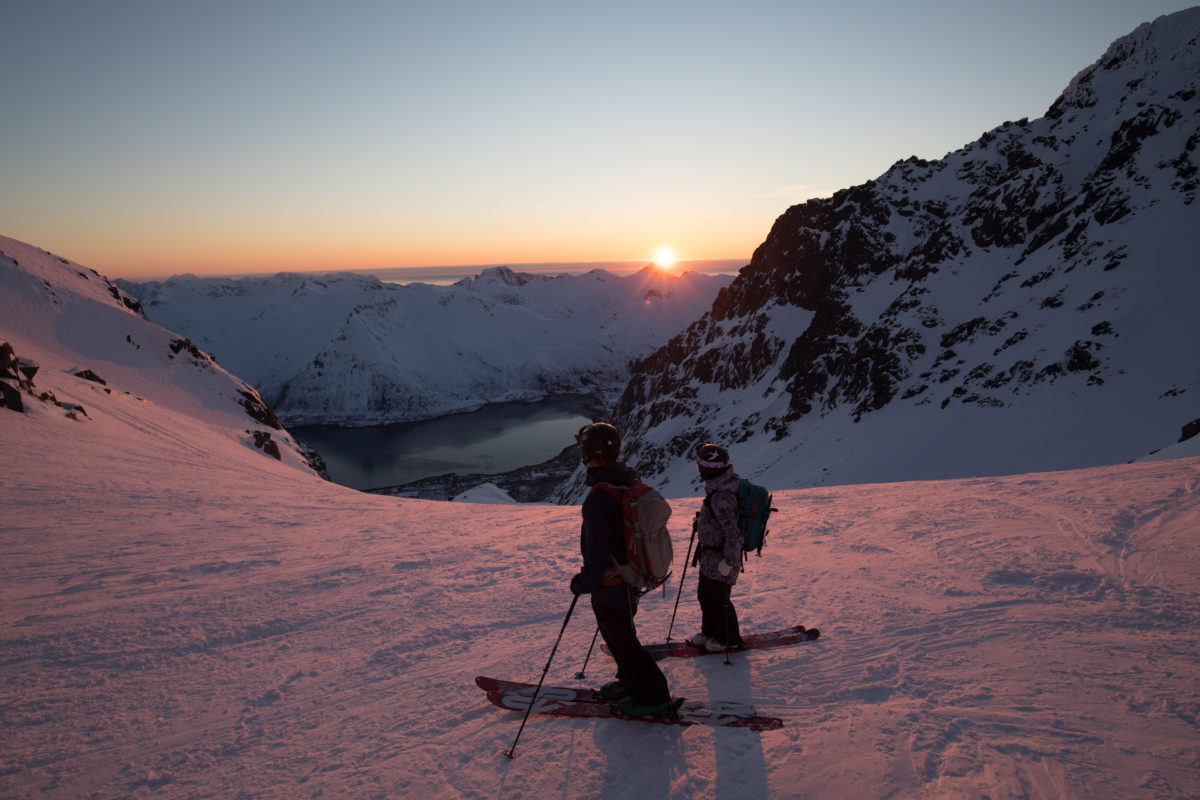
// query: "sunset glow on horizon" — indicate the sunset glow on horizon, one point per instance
point(665, 260)
point(150, 139)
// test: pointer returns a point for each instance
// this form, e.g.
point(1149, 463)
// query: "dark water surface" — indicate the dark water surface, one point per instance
point(496, 438)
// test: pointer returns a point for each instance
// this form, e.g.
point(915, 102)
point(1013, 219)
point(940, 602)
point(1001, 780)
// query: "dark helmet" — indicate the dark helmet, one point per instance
point(599, 441)
point(712, 459)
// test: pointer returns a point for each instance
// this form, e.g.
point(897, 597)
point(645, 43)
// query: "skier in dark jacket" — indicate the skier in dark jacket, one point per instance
point(640, 688)
point(719, 552)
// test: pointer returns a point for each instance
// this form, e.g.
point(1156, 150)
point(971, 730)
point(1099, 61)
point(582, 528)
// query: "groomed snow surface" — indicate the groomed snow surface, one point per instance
point(182, 620)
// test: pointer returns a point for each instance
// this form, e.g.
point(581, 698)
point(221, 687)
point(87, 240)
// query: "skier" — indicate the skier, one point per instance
point(640, 688)
point(719, 550)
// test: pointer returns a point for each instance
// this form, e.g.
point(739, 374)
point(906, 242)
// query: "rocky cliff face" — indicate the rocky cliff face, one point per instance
point(1030, 290)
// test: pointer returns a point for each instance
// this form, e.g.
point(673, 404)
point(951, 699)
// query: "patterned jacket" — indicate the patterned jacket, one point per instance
point(718, 534)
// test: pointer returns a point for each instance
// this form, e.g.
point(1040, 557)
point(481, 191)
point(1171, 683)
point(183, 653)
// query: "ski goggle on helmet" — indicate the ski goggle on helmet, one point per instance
point(712, 459)
point(599, 441)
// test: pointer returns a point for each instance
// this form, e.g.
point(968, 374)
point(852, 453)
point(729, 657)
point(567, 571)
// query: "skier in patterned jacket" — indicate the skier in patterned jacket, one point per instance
point(719, 550)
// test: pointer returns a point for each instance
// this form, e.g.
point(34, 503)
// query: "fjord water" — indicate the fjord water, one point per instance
point(496, 438)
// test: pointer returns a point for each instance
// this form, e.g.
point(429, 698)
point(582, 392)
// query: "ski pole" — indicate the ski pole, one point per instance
point(682, 575)
point(511, 752)
point(581, 674)
point(728, 611)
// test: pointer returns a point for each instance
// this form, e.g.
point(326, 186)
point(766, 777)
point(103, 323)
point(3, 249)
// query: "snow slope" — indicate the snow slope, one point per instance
point(347, 348)
point(67, 319)
point(183, 616)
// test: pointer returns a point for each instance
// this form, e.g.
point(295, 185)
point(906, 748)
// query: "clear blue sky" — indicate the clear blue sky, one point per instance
point(155, 137)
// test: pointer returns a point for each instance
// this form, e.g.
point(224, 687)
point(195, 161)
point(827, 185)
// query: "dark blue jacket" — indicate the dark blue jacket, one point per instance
point(602, 536)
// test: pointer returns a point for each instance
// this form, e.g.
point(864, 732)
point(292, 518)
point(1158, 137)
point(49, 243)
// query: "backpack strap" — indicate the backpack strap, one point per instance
point(620, 493)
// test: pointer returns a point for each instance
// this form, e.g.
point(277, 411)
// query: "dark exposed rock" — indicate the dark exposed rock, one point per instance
point(178, 346)
point(89, 375)
point(16, 379)
point(1127, 139)
point(314, 460)
point(28, 368)
point(257, 408)
point(1190, 430)
point(132, 303)
point(8, 361)
point(1080, 357)
point(10, 396)
point(74, 410)
point(264, 442)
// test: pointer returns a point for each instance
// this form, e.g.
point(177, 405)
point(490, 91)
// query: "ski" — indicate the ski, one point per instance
point(754, 641)
point(563, 701)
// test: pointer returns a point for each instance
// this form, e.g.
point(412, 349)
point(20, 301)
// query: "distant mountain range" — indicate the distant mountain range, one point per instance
point(350, 349)
point(1024, 303)
point(1027, 302)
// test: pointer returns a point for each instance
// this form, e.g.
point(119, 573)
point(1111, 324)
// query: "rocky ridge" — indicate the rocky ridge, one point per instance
point(1041, 270)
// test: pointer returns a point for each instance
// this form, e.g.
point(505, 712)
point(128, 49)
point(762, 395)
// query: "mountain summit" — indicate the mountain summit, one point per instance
point(1023, 303)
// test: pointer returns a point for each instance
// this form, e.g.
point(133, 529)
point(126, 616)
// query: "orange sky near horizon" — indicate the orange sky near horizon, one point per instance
point(141, 257)
point(147, 139)
point(283, 228)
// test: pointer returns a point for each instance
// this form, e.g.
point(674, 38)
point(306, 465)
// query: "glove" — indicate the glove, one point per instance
point(724, 568)
point(577, 584)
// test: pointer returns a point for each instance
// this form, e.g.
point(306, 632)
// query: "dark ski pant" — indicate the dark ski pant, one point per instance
point(718, 617)
point(636, 668)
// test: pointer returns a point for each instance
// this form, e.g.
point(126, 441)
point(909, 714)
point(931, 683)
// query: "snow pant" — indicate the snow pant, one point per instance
point(718, 617)
point(636, 668)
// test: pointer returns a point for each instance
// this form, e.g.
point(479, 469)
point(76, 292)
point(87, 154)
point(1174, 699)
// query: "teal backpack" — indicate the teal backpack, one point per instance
point(754, 508)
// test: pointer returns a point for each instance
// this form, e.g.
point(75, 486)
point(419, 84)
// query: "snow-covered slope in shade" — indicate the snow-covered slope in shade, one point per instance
point(94, 364)
point(1027, 302)
point(346, 348)
point(183, 616)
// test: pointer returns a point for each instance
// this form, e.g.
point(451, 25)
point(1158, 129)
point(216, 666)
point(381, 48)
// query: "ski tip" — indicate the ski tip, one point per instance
point(811, 633)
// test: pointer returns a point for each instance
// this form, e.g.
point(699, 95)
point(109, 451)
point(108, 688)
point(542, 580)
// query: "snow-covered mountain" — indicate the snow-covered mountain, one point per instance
point(185, 616)
point(1026, 302)
point(76, 351)
point(346, 348)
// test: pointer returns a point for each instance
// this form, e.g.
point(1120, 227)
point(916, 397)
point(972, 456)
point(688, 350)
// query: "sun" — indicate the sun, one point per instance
point(664, 260)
